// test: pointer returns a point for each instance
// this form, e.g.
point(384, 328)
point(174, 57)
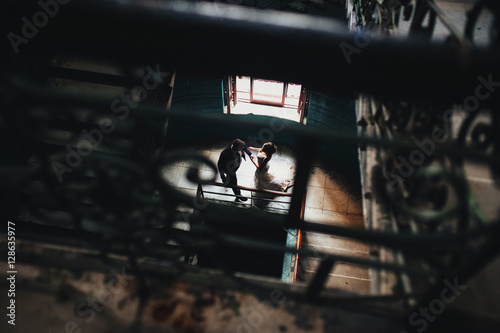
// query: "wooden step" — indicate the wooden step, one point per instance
point(334, 244)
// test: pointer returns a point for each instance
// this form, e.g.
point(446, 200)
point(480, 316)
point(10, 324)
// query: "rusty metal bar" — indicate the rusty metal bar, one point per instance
point(305, 153)
point(318, 282)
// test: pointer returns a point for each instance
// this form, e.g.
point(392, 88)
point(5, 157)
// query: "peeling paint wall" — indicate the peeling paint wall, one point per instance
point(69, 301)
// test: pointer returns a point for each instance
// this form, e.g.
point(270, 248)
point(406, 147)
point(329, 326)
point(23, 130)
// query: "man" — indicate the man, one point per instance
point(229, 162)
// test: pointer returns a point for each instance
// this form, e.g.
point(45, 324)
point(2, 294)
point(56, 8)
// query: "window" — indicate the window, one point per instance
point(248, 95)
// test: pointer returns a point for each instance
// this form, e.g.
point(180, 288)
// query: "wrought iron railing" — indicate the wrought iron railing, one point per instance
point(426, 191)
point(103, 196)
point(258, 198)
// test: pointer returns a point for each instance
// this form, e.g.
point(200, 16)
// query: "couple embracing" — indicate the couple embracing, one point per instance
point(230, 160)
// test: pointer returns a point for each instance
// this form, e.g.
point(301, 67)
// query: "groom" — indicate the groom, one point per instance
point(229, 162)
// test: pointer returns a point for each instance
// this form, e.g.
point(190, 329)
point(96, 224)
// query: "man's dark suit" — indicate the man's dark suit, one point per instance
point(229, 162)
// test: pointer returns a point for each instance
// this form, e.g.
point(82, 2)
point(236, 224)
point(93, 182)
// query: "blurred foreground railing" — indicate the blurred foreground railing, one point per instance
point(83, 172)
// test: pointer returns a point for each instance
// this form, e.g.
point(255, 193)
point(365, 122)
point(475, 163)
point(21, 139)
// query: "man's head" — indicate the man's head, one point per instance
point(238, 145)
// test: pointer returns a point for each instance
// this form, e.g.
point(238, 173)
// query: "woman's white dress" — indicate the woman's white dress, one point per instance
point(277, 175)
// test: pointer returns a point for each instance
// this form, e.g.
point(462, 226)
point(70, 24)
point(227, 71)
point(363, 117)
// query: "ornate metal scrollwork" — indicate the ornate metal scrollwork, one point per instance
point(424, 21)
point(477, 131)
point(480, 7)
point(422, 185)
point(382, 15)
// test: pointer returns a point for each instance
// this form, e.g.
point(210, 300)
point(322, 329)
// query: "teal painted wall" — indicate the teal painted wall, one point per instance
point(197, 94)
point(335, 113)
point(331, 112)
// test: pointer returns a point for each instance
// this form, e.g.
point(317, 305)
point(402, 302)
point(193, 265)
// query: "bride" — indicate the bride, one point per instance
point(273, 173)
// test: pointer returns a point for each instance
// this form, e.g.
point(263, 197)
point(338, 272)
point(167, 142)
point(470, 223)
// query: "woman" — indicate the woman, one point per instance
point(277, 175)
point(264, 155)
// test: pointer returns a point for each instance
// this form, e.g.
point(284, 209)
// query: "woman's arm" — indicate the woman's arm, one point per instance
point(261, 161)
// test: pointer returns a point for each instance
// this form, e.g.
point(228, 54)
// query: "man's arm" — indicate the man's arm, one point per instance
point(247, 150)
